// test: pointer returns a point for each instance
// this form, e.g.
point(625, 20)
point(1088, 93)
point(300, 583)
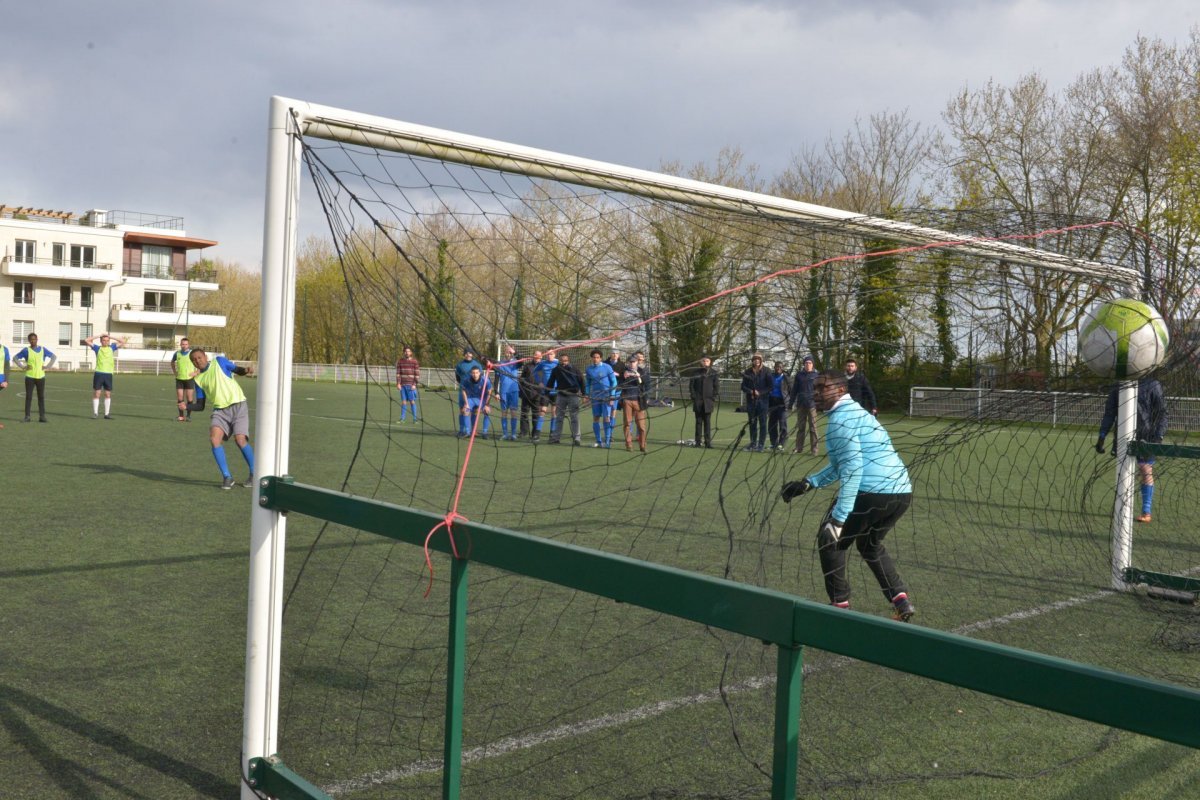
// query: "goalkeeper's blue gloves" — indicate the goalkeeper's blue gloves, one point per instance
point(795, 489)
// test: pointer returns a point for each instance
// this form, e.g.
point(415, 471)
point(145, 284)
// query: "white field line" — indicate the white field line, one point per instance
point(511, 744)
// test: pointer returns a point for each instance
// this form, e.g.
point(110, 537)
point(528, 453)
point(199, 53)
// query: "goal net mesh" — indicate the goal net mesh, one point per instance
point(571, 696)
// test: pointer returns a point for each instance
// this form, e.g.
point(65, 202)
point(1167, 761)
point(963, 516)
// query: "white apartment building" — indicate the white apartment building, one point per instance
point(67, 276)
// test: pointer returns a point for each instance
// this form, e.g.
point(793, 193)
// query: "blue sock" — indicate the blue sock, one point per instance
point(464, 424)
point(248, 454)
point(219, 455)
point(596, 430)
point(608, 429)
point(403, 408)
point(486, 424)
point(1147, 497)
point(537, 425)
point(414, 410)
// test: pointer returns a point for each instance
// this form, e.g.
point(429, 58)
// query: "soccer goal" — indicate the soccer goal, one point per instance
point(635, 621)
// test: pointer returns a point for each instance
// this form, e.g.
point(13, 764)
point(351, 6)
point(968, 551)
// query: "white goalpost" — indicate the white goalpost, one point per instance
point(290, 121)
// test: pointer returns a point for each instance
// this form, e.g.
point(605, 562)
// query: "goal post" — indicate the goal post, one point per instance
point(290, 121)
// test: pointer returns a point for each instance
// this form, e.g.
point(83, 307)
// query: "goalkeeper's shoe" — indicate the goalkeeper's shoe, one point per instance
point(902, 608)
point(1142, 518)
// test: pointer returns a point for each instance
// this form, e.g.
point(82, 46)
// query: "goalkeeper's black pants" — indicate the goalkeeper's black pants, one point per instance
point(870, 520)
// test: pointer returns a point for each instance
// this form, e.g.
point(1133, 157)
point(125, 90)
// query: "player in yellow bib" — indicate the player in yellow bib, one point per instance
point(230, 416)
point(185, 387)
point(102, 378)
point(35, 361)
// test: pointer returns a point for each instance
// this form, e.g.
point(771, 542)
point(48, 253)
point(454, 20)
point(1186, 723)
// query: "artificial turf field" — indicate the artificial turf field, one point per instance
point(124, 576)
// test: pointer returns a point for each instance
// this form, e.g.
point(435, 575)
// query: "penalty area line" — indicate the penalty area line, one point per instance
point(512, 744)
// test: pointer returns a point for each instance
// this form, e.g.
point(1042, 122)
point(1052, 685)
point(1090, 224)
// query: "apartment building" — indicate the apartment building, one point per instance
point(67, 276)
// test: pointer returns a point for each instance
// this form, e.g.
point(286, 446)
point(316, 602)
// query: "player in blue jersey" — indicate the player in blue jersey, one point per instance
point(874, 492)
point(541, 375)
point(508, 387)
point(600, 383)
point(474, 393)
point(1151, 427)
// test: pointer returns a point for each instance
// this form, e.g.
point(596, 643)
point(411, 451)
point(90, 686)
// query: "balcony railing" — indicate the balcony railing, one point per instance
point(58, 262)
point(137, 270)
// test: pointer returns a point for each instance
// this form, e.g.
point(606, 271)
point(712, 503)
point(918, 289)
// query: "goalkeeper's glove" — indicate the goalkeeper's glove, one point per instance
point(830, 532)
point(795, 489)
point(1100, 445)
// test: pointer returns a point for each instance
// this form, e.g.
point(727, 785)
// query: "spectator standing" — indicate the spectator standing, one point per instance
point(777, 406)
point(35, 360)
point(859, 388)
point(756, 386)
point(705, 392)
point(806, 412)
point(566, 385)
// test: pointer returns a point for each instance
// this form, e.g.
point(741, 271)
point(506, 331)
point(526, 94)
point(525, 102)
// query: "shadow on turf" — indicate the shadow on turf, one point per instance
point(79, 779)
point(108, 469)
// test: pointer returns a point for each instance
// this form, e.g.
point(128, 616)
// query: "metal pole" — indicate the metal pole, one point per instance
point(788, 677)
point(268, 528)
point(1122, 519)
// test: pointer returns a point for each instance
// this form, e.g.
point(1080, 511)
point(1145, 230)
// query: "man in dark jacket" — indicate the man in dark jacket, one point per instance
point(859, 388)
point(756, 387)
point(531, 393)
point(705, 392)
point(566, 381)
point(802, 399)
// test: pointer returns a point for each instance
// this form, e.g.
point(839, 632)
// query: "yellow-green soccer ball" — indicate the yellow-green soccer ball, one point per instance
point(1123, 339)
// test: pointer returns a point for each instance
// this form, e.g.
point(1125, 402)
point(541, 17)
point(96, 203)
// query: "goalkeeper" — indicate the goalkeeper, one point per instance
point(1151, 427)
point(873, 494)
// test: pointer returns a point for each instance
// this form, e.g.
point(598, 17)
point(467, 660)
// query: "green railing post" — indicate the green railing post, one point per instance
point(456, 669)
point(788, 677)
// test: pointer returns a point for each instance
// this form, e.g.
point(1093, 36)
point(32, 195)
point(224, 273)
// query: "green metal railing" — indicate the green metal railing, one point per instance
point(1148, 707)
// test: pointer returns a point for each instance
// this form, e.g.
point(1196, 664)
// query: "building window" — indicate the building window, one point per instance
point(158, 338)
point(83, 255)
point(64, 334)
point(59, 250)
point(158, 301)
point(85, 297)
point(26, 250)
point(65, 297)
point(85, 332)
point(23, 293)
point(156, 261)
point(21, 330)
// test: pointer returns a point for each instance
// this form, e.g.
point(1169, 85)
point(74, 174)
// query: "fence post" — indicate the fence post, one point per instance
point(456, 668)
point(785, 762)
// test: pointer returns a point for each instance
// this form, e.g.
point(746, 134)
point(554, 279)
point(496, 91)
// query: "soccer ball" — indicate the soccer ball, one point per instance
point(1123, 339)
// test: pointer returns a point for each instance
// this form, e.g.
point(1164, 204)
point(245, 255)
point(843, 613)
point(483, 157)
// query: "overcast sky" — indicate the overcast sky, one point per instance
point(161, 106)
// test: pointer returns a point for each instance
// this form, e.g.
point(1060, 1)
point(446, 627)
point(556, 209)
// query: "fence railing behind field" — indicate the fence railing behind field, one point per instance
point(1026, 405)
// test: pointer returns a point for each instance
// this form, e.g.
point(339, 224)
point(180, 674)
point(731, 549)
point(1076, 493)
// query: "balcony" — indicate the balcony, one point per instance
point(199, 279)
point(165, 316)
point(59, 269)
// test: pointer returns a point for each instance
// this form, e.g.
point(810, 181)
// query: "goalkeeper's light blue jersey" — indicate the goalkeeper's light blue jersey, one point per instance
point(861, 456)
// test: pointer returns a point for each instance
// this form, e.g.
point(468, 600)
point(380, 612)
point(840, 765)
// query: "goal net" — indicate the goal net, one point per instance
point(444, 242)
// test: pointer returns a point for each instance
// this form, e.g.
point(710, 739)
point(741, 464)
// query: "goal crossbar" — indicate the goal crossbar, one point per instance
point(422, 141)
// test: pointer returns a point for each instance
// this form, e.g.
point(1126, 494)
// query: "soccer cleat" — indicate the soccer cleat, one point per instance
point(597, 444)
point(1142, 518)
point(902, 608)
point(248, 483)
point(43, 419)
point(108, 416)
point(95, 415)
point(228, 483)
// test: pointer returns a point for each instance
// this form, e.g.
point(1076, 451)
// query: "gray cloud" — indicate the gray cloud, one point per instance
point(161, 107)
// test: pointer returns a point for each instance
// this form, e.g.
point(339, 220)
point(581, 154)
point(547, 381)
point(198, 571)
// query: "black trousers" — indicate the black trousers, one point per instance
point(38, 384)
point(704, 429)
point(777, 423)
point(870, 520)
point(529, 412)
